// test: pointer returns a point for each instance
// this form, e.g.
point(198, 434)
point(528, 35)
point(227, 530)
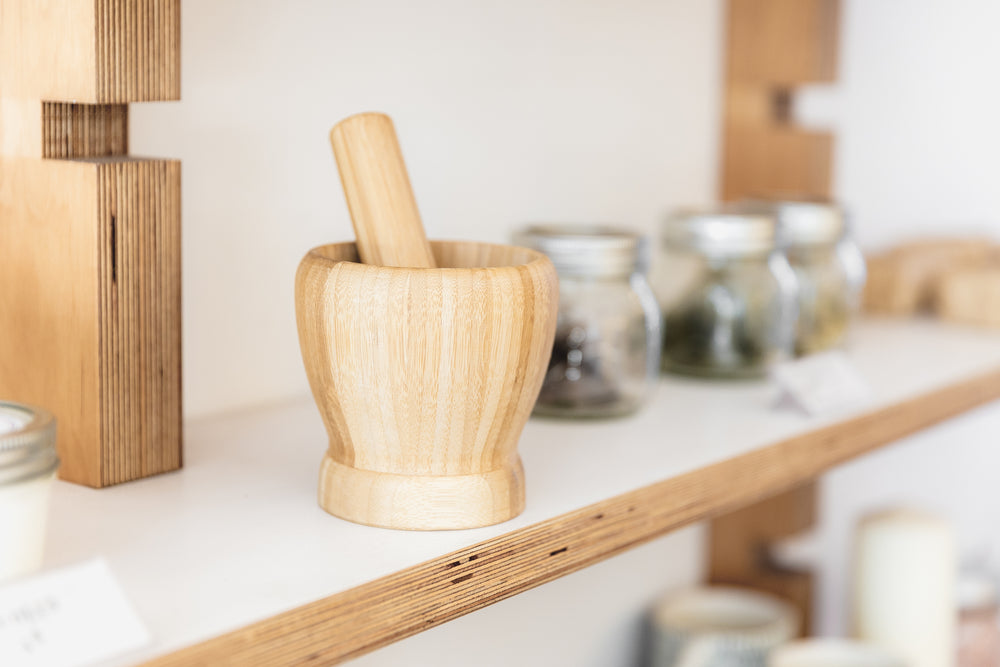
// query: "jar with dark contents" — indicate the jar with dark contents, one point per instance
point(605, 358)
point(829, 269)
point(727, 294)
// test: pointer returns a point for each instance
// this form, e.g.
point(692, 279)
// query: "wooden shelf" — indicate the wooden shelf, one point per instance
point(230, 561)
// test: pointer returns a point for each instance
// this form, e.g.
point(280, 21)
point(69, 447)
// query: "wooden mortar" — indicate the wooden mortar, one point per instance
point(426, 360)
point(425, 379)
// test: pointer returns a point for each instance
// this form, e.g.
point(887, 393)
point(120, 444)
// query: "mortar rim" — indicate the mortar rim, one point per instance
point(534, 258)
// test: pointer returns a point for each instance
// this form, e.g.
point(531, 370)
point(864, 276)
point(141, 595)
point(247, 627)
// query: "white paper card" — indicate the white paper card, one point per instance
point(70, 617)
point(823, 384)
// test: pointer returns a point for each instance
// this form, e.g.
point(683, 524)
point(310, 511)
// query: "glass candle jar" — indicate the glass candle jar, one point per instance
point(727, 293)
point(829, 270)
point(718, 626)
point(606, 354)
point(28, 464)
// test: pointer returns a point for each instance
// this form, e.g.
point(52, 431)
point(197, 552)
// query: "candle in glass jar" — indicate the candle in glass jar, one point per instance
point(28, 465)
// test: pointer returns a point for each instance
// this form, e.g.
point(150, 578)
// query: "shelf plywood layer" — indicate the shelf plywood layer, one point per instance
point(360, 620)
point(251, 571)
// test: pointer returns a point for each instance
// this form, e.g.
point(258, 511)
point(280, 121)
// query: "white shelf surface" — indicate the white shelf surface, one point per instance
point(237, 536)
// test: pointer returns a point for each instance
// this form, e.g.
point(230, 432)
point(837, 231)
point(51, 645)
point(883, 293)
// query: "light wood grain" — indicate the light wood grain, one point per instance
point(782, 43)
point(91, 237)
point(84, 52)
point(773, 46)
point(92, 330)
point(970, 296)
point(84, 130)
point(741, 541)
point(906, 279)
point(335, 629)
point(425, 379)
point(383, 209)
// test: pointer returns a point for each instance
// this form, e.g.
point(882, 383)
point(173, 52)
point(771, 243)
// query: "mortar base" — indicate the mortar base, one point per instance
point(421, 502)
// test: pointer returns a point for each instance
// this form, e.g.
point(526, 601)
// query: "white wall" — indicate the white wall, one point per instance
point(507, 112)
point(918, 152)
point(916, 109)
point(571, 110)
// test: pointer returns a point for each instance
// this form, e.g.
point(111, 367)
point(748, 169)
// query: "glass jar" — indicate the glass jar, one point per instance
point(605, 358)
point(727, 293)
point(28, 464)
point(829, 270)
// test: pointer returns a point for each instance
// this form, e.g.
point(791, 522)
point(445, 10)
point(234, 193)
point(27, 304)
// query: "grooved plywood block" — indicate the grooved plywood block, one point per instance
point(93, 330)
point(84, 130)
point(91, 237)
point(93, 51)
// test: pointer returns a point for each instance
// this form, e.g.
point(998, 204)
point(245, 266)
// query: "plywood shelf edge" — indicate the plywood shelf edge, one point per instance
point(362, 619)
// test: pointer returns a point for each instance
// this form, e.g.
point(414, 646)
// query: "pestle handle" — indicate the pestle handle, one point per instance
point(379, 197)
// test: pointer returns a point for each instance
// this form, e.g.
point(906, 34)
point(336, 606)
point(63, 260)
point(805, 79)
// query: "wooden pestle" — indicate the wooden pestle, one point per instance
point(379, 197)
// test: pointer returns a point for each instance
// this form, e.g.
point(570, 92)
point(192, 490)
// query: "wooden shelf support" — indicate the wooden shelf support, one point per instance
point(91, 235)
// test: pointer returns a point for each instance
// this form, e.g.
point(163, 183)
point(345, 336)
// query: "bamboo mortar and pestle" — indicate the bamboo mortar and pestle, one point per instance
point(424, 358)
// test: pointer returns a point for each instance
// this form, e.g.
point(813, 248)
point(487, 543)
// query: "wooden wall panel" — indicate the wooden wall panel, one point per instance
point(91, 236)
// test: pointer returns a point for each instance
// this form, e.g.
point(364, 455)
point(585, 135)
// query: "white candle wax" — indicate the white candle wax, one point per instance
point(904, 586)
point(27, 467)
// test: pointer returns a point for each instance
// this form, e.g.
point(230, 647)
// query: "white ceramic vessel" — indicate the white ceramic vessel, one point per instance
point(28, 465)
point(830, 652)
point(719, 625)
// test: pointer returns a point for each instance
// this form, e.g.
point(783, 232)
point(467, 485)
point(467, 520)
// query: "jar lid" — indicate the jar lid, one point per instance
point(802, 222)
point(27, 442)
point(588, 250)
point(722, 233)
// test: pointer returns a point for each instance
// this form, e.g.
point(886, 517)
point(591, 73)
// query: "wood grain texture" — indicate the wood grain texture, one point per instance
point(84, 130)
point(741, 543)
point(93, 330)
point(906, 279)
point(782, 43)
point(970, 296)
point(772, 46)
point(425, 379)
point(91, 237)
point(90, 51)
point(383, 209)
point(335, 629)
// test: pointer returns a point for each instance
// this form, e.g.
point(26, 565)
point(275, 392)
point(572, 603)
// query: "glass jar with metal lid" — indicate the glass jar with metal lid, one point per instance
point(28, 464)
point(727, 293)
point(829, 269)
point(605, 358)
